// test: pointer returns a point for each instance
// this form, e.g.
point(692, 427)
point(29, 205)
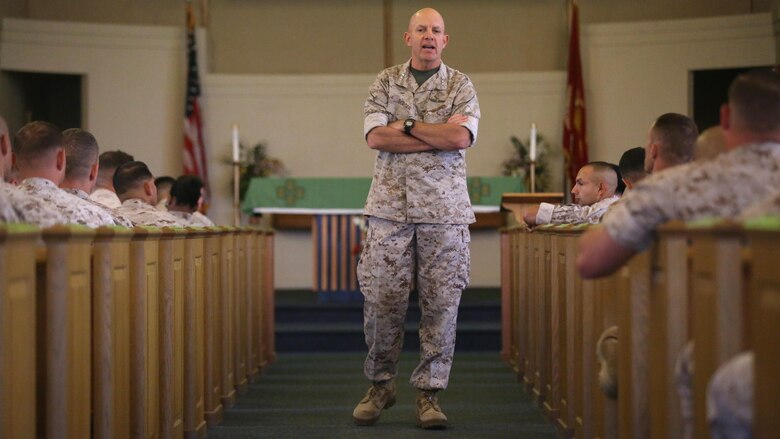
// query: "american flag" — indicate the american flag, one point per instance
point(194, 148)
point(575, 145)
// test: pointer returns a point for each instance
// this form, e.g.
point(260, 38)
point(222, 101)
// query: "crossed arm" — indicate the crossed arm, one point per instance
point(449, 136)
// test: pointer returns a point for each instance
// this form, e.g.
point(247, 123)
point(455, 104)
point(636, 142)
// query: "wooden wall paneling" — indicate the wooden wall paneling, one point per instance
point(194, 329)
point(18, 330)
point(212, 327)
point(111, 332)
point(144, 334)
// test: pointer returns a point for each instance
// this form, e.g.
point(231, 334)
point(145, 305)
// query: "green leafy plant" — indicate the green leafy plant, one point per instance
point(255, 162)
point(519, 164)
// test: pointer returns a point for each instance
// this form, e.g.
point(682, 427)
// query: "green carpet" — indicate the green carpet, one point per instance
point(312, 396)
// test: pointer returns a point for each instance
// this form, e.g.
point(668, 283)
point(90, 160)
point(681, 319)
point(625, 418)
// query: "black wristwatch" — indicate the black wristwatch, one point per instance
point(408, 125)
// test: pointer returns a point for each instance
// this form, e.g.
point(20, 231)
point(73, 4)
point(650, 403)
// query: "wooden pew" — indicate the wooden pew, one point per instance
point(251, 310)
point(212, 326)
point(111, 332)
point(764, 310)
point(226, 295)
point(145, 333)
point(65, 331)
point(194, 329)
point(505, 243)
point(240, 306)
point(268, 291)
point(171, 312)
point(17, 330)
point(719, 283)
point(668, 326)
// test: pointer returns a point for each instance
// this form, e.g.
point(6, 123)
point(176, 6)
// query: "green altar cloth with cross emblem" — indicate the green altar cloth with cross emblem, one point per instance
point(330, 207)
point(348, 194)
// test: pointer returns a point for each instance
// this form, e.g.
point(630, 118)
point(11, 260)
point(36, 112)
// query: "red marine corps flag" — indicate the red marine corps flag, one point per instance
point(194, 149)
point(575, 146)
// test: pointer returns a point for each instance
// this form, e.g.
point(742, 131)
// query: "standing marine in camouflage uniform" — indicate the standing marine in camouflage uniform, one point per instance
point(594, 192)
point(41, 161)
point(420, 116)
point(134, 185)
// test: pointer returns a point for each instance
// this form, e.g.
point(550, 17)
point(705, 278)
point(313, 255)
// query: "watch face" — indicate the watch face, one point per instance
point(409, 123)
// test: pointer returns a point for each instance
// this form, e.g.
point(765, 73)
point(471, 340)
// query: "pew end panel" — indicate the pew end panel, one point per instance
point(18, 381)
point(111, 332)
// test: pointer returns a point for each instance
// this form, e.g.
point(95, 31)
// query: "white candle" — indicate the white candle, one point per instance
point(532, 153)
point(235, 143)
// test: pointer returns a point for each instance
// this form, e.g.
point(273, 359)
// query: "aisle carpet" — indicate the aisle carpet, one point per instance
point(311, 395)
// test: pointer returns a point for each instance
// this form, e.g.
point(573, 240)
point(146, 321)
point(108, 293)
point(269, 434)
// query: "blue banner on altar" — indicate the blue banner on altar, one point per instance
point(337, 244)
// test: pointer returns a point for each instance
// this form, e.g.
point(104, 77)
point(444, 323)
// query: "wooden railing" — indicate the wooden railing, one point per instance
point(717, 285)
point(119, 333)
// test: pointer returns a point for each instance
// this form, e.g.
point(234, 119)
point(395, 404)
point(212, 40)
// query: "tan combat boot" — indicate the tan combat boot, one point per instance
point(429, 414)
point(378, 397)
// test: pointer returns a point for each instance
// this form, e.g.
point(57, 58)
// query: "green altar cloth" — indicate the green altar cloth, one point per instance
point(312, 194)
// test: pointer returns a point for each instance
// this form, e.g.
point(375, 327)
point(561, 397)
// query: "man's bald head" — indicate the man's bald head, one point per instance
point(427, 39)
point(425, 14)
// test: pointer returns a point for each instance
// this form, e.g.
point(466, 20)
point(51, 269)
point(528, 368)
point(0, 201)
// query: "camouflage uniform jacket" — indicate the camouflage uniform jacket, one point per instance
point(573, 213)
point(30, 208)
point(722, 187)
point(424, 187)
point(142, 213)
point(105, 197)
point(7, 212)
point(194, 219)
point(75, 210)
point(118, 219)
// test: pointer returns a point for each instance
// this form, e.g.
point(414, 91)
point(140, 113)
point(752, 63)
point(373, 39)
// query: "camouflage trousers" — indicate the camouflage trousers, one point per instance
point(436, 256)
point(729, 395)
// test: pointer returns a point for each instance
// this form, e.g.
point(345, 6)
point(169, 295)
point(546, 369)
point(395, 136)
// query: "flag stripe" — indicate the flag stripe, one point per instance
point(194, 150)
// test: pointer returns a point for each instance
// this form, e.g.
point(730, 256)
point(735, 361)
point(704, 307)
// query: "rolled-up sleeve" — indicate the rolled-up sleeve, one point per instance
point(544, 214)
point(466, 103)
point(375, 108)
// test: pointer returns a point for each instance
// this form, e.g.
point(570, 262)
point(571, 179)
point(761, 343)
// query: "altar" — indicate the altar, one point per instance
point(332, 208)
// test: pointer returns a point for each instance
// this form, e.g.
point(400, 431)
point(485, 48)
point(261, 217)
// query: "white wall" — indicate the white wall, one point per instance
point(135, 90)
point(133, 87)
point(636, 72)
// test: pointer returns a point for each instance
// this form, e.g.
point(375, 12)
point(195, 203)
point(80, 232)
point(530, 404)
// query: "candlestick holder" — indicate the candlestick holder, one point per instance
point(533, 176)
